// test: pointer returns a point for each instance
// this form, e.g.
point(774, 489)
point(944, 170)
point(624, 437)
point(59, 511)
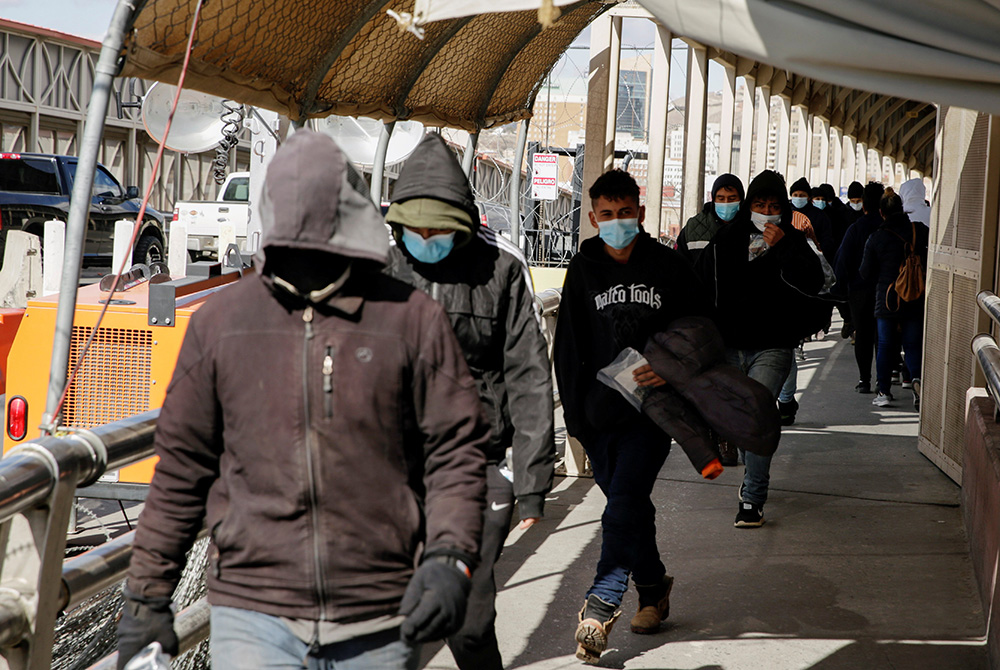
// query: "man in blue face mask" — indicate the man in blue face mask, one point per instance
point(484, 285)
point(621, 288)
point(727, 194)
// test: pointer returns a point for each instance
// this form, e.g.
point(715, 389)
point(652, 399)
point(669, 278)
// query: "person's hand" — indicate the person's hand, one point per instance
point(435, 600)
point(645, 376)
point(145, 620)
point(772, 234)
point(527, 523)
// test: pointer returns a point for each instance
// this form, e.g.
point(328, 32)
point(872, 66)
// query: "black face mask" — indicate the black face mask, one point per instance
point(307, 270)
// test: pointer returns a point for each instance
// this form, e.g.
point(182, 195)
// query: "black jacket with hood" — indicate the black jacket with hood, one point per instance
point(852, 250)
point(884, 253)
point(486, 289)
point(768, 302)
point(324, 441)
point(607, 306)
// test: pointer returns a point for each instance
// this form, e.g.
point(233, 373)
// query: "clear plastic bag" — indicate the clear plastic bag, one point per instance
point(618, 375)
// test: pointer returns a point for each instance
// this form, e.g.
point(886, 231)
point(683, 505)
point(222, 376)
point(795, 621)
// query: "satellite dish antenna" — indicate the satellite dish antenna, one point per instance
point(358, 138)
point(198, 123)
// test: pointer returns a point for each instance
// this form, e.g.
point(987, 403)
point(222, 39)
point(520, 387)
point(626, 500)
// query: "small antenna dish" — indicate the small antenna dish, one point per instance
point(198, 122)
point(358, 138)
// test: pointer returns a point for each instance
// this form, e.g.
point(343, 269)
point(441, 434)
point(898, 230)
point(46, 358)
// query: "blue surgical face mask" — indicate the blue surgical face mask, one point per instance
point(819, 204)
point(800, 202)
point(856, 206)
point(618, 233)
point(726, 210)
point(431, 250)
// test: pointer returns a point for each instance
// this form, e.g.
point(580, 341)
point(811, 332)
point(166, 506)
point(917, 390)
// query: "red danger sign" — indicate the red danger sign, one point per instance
point(545, 177)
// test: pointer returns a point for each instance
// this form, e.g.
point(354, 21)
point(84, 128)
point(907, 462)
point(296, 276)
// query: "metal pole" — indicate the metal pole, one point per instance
point(378, 167)
point(515, 184)
point(469, 157)
point(76, 228)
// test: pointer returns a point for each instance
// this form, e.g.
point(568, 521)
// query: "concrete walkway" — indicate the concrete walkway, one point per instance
point(862, 564)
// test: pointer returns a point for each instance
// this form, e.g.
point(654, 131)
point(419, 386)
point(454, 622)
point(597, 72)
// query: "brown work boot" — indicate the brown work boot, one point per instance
point(596, 619)
point(654, 606)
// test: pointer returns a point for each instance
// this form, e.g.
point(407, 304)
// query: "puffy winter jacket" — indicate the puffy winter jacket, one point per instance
point(703, 393)
point(698, 232)
point(322, 443)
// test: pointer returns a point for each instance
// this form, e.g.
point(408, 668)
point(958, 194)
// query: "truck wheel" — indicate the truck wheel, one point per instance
point(149, 250)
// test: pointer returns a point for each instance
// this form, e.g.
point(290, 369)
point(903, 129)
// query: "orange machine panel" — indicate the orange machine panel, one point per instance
point(126, 370)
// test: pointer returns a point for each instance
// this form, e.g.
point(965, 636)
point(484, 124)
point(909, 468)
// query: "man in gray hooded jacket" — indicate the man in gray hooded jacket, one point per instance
point(483, 284)
point(323, 425)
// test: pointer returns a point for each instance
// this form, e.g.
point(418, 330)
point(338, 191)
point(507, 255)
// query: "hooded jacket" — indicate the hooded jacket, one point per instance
point(884, 253)
point(702, 227)
point(767, 302)
point(913, 194)
point(852, 250)
point(322, 443)
point(486, 290)
point(607, 306)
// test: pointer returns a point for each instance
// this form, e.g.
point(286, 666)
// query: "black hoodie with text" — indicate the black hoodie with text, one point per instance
point(607, 306)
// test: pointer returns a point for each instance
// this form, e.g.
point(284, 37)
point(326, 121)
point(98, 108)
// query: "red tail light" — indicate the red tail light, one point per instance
point(177, 212)
point(17, 418)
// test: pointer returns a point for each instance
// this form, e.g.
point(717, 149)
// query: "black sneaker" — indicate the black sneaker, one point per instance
point(863, 387)
point(787, 411)
point(750, 516)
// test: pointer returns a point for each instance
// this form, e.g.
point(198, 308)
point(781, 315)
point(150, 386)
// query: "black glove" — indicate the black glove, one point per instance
point(145, 620)
point(435, 600)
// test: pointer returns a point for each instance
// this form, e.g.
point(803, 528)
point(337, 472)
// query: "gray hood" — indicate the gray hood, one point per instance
point(912, 193)
point(314, 199)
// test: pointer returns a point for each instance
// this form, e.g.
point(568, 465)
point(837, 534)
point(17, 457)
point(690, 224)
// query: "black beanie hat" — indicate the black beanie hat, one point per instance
point(828, 192)
point(855, 190)
point(871, 196)
point(730, 180)
point(817, 192)
point(801, 184)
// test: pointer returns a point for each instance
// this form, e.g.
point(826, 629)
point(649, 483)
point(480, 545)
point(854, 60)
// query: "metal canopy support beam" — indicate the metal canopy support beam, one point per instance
point(659, 102)
point(837, 145)
point(602, 106)
point(784, 135)
point(76, 226)
point(695, 118)
point(763, 134)
point(469, 157)
point(378, 167)
point(515, 184)
point(746, 128)
point(726, 122)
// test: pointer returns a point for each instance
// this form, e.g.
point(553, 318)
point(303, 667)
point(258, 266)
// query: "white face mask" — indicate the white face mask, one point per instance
point(760, 220)
point(856, 206)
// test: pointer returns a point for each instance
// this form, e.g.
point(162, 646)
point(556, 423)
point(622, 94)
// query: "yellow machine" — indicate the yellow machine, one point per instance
point(127, 369)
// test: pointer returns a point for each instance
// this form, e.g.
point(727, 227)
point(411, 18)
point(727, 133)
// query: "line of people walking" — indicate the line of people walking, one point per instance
point(358, 421)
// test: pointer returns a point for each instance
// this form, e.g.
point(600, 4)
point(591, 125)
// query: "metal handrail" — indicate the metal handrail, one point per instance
point(990, 304)
point(192, 625)
point(986, 350)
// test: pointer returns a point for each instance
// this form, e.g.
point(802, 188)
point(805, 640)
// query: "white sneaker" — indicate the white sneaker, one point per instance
point(882, 399)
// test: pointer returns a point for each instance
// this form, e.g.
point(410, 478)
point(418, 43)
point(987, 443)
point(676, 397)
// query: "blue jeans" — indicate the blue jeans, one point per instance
point(770, 367)
point(790, 386)
point(250, 640)
point(626, 462)
point(890, 333)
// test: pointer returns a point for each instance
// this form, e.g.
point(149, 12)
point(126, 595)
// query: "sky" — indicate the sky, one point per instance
point(85, 18)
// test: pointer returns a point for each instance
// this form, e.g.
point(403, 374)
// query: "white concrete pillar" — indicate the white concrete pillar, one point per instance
point(763, 133)
point(861, 171)
point(837, 149)
point(177, 253)
point(695, 117)
point(850, 161)
point(802, 147)
point(782, 147)
point(122, 251)
point(806, 170)
point(53, 250)
point(659, 97)
point(727, 119)
point(819, 176)
point(746, 129)
point(602, 108)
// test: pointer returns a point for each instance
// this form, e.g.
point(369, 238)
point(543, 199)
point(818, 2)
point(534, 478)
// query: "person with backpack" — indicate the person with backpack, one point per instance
point(895, 259)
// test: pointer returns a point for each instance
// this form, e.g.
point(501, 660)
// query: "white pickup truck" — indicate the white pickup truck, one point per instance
point(205, 220)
